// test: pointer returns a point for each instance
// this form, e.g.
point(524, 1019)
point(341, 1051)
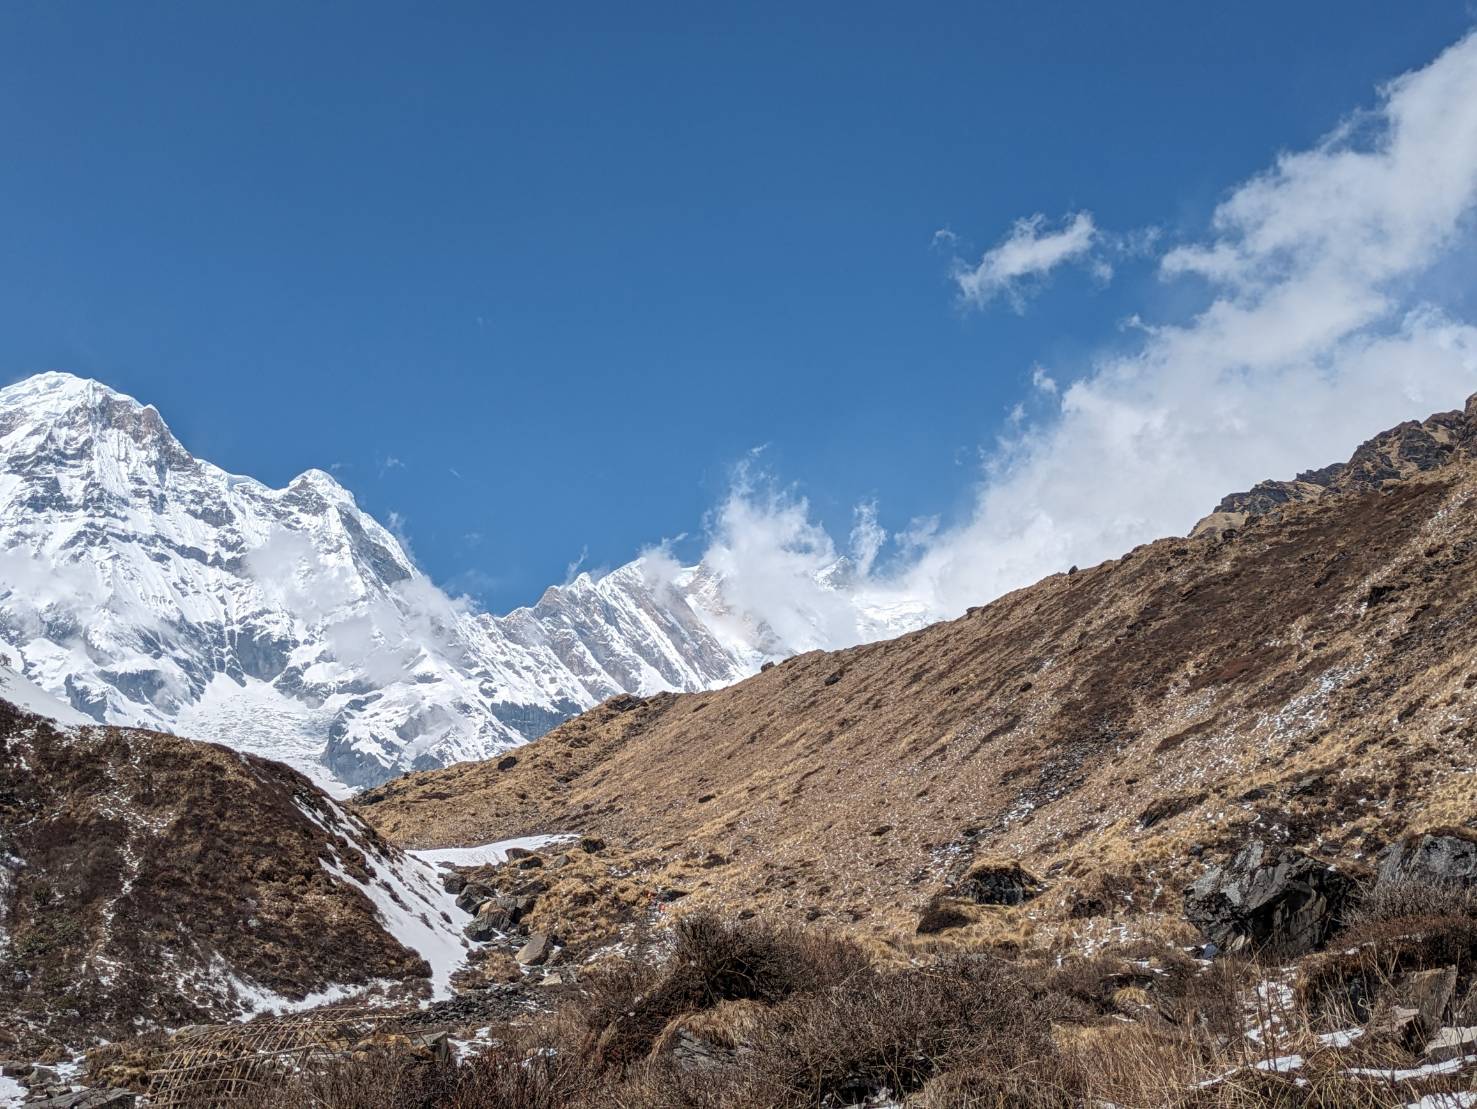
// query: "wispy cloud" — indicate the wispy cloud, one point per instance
point(573, 568)
point(1023, 258)
point(396, 524)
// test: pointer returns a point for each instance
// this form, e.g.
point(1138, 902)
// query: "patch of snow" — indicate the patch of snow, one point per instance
point(1342, 1038)
point(1462, 1100)
point(1410, 1074)
point(12, 1093)
point(489, 853)
point(407, 897)
point(27, 695)
point(257, 1000)
point(1282, 1064)
point(464, 1049)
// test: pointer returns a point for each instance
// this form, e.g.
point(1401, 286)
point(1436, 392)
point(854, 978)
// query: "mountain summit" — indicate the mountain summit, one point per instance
point(146, 587)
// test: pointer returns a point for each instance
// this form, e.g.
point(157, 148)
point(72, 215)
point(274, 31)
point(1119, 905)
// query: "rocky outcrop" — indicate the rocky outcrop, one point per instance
point(997, 884)
point(1446, 857)
point(1408, 448)
point(1269, 899)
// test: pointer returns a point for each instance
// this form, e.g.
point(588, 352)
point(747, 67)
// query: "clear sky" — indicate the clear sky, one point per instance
point(534, 278)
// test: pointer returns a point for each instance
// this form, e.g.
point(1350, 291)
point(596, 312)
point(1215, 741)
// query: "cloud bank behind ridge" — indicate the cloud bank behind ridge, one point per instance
point(1315, 334)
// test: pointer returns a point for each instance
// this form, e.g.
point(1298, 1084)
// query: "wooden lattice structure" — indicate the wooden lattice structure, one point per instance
point(214, 1065)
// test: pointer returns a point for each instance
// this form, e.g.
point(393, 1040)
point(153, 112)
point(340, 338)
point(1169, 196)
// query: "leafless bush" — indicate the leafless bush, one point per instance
point(626, 1008)
point(1413, 899)
point(895, 1030)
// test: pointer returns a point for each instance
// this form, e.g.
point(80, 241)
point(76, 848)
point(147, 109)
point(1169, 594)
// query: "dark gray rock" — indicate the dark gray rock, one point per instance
point(472, 895)
point(492, 920)
point(1269, 899)
point(87, 1099)
point(997, 884)
point(1442, 858)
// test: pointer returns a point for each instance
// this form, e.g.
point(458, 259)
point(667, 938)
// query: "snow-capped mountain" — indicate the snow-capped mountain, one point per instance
point(145, 587)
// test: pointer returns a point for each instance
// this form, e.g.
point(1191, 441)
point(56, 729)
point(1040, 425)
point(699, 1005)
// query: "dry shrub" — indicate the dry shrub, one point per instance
point(376, 1080)
point(627, 1007)
point(1398, 927)
point(976, 1088)
point(509, 1075)
point(896, 1030)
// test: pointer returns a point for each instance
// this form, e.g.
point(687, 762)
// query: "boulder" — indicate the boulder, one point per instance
point(517, 907)
point(1269, 899)
point(1429, 993)
point(1446, 857)
point(536, 951)
point(1451, 1043)
point(491, 921)
point(453, 882)
point(472, 896)
point(513, 854)
point(997, 884)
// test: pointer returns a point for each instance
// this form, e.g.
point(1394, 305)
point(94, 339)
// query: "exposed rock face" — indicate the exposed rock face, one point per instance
point(1409, 448)
point(1443, 858)
point(1269, 899)
point(148, 881)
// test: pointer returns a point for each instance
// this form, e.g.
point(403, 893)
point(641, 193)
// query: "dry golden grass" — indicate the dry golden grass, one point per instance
point(1307, 678)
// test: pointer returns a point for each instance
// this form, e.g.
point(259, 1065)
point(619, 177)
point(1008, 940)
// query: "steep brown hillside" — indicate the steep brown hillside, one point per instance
point(148, 881)
point(1307, 677)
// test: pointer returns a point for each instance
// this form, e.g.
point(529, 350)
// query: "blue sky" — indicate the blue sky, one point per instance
point(535, 280)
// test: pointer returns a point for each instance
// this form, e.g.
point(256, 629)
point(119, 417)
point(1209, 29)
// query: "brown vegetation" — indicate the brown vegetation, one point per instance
point(1306, 678)
point(773, 1018)
point(139, 872)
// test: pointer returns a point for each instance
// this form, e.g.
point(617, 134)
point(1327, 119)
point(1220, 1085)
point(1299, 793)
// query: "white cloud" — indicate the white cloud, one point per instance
point(1029, 252)
point(1315, 334)
point(572, 568)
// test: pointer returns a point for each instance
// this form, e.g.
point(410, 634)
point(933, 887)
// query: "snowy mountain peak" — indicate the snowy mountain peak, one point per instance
point(142, 586)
